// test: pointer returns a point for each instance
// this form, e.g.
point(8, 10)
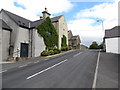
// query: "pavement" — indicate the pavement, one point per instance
point(74, 69)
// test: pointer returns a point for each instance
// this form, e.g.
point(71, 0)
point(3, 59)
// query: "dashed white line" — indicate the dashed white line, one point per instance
point(46, 69)
point(96, 71)
point(3, 71)
point(77, 54)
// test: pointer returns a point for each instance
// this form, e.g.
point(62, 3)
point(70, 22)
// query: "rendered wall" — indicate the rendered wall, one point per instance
point(112, 45)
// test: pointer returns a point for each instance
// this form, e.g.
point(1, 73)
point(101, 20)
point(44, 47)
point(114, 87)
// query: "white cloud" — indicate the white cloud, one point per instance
point(34, 7)
point(86, 26)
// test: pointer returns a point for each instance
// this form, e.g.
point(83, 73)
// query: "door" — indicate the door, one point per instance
point(24, 50)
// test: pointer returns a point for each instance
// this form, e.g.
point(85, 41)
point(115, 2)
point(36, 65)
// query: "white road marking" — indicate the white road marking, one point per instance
point(46, 69)
point(46, 59)
point(77, 54)
point(23, 66)
point(36, 62)
point(3, 71)
point(96, 71)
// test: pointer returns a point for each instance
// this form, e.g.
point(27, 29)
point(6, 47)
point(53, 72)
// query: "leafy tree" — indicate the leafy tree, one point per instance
point(94, 45)
point(49, 34)
point(64, 41)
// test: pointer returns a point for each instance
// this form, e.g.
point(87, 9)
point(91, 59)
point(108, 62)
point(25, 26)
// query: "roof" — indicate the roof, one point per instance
point(4, 25)
point(18, 19)
point(55, 19)
point(25, 22)
point(114, 32)
point(74, 37)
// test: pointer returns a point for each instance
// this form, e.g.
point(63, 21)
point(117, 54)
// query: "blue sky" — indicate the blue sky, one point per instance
point(80, 16)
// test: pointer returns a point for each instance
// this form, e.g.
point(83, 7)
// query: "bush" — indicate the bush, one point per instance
point(45, 53)
point(56, 51)
point(69, 48)
point(64, 48)
point(51, 52)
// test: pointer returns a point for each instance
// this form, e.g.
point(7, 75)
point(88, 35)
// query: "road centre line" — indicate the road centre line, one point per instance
point(46, 69)
point(77, 54)
point(3, 71)
point(96, 72)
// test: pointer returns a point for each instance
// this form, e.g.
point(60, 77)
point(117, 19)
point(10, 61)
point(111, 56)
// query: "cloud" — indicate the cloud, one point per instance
point(86, 26)
point(30, 9)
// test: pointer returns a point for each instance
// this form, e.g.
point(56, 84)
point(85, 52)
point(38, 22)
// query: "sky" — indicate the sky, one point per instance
point(81, 15)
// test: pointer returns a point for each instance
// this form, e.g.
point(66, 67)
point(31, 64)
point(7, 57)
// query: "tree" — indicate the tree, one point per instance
point(49, 34)
point(64, 40)
point(94, 45)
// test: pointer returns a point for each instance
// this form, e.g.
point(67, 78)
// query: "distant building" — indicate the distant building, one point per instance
point(112, 39)
point(83, 47)
point(73, 41)
point(20, 38)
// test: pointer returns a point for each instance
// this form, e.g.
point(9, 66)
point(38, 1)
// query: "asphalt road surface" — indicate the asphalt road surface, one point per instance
point(75, 69)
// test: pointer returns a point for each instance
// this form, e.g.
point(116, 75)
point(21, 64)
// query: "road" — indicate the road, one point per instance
point(75, 69)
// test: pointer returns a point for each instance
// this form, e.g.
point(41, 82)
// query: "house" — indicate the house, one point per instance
point(5, 39)
point(24, 41)
point(83, 47)
point(112, 39)
point(74, 41)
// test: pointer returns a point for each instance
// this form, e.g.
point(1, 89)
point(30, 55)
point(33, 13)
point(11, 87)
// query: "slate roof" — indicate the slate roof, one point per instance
point(74, 37)
point(114, 32)
point(18, 19)
point(25, 22)
point(4, 25)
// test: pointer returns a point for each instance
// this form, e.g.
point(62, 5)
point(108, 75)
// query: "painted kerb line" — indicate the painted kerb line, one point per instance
point(45, 69)
point(36, 62)
point(96, 72)
point(23, 66)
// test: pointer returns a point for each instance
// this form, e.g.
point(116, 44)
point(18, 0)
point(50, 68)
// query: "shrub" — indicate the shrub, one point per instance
point(51, 52)
point(69, 48)
point(64, 48)
point(56, 51)
point(45, 53)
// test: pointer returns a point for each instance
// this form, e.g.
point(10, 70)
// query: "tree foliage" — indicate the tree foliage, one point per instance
point(64, 41)
point(94, 45)
point(48, 32)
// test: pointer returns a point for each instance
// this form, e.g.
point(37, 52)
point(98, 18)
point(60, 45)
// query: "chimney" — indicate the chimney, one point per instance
point(45, 14)
point(41, 17)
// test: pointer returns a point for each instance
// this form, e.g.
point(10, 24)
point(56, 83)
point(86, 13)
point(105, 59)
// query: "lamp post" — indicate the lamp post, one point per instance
point(104, 47)
point(102, 24)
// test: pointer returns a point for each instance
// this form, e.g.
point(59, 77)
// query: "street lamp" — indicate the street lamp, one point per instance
point(104, 47)
point(102, 24)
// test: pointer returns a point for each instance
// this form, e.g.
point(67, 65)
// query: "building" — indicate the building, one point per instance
point(5, 39)
point(74, 41)
point(24, 41)
point(83, 47)
point(112, 39)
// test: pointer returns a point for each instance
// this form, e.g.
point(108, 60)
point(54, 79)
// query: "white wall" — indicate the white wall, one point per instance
point(22, 37)
point(63, 30)
point(112, 45)
point(39, 44)
point(5, 44)
point(0, 44)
